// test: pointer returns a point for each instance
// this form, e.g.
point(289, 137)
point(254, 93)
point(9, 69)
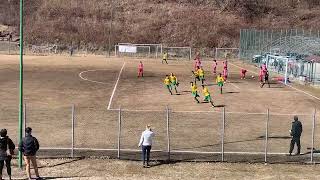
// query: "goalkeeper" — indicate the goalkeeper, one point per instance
point(165, 57)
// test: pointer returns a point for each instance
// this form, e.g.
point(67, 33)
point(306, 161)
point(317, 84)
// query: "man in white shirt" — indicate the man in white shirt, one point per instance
point(146, 143)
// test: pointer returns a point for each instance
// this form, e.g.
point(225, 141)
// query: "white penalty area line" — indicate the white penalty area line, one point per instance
point(86, 79)
point(115, 86)
point(304, 92)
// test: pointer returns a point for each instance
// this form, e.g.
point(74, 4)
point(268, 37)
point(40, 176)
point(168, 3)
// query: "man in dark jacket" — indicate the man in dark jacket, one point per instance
point(295, 132)
point(6, 145)
point(29, 147)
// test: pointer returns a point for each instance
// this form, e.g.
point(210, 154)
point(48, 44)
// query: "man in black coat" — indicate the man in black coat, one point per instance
point(5, 157)
point(29, 147)
point(295, 132)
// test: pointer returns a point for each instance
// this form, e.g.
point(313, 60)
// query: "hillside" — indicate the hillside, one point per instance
point(196, 23)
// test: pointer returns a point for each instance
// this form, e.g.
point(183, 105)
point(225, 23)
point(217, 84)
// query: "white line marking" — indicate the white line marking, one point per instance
point(272, 91)
point(115, 86)
point(230, 112)
point(172, 151)
point(304, 92)
point(235, 86)
point(86, 79)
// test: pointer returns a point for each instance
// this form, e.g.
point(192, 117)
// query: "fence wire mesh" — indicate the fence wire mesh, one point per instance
point(95, 128)
point(179, 135)
point(51, 126)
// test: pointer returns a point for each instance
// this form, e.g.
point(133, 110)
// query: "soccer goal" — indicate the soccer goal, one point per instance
point(227, 53)
point(138, 50)
point(177, 53)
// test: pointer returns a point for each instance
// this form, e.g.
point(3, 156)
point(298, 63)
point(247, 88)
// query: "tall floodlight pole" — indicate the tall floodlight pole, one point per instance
point(21, 82)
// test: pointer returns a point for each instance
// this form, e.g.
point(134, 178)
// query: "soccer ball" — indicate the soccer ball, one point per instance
point(252, 77)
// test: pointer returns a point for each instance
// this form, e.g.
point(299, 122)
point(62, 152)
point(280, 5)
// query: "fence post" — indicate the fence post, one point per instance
point(72, 130)
point(286, 72)
point(168, 133)
point(119, 131)
point(267, 135)
point(222, 133)
point(25, 118)
point(312, 138)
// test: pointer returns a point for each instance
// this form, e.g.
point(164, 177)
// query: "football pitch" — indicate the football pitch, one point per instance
point(99, 86)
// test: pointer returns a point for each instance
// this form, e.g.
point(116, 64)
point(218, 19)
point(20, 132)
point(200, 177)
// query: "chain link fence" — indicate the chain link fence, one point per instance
point(217, 136)
point(292, 53)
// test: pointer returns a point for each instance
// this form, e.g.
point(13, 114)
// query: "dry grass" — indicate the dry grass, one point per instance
point(199, 23)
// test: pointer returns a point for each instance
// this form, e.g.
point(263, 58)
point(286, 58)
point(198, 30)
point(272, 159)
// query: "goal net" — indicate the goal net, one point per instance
point(227, 53)
point(175, 53)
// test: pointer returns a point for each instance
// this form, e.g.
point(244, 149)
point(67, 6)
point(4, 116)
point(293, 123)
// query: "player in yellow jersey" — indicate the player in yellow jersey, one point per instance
point(196, 76)
point(220, 81)
point(165, 57)
point(194, 91)
point(207, 96)
point(174, 82)
point(200, 72)
point(167, 83)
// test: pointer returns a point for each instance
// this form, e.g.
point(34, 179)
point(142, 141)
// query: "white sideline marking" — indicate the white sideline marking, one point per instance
point(304, 92)
point(230, 112)
point(115, 86)
point(172, 151)
point(86, 79)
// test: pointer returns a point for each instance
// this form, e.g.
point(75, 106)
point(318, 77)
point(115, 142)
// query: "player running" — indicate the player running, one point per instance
point(174, 82)
point(214, 67)
point(165, 57)
point(194, 91)
point(261, 75)
point(243, 73)
point(167, 83)
point(225, 74)
point(207, 96)
point(266, 80)
point(220, 81)
point(225, 64)
point(197, 64)
point(196, 76)
point(140, 69)
point(201, 74)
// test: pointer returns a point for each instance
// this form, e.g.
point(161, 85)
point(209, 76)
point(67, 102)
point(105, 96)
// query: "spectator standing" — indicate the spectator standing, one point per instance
point(295, 132)
point(6, 151)
point(146, 143)
point(29, 147)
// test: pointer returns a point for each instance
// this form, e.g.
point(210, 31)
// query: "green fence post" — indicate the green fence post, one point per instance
point(21, 83)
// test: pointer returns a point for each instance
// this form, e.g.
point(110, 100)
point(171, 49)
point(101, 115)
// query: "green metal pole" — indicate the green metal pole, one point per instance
point(21, 82)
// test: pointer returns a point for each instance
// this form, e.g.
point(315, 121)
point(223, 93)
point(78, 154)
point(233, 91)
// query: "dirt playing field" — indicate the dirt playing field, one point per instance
point(113, 169)
point(52, 84)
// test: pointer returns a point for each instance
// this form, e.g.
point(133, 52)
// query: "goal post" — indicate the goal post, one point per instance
point(178, 52)
point(229, 53)
point(278, 64)
point(154, 50)
point(132, 51)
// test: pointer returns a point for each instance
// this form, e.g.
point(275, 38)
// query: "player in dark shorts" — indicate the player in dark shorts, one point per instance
point(266, 79)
